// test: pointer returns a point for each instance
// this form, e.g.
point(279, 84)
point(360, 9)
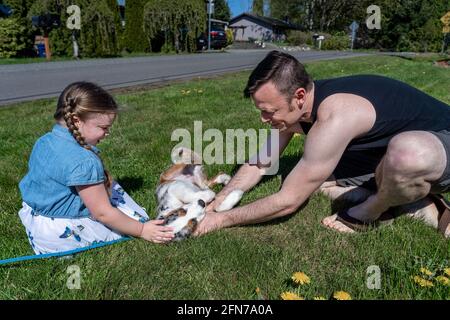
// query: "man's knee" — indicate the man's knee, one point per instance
point(414, 154)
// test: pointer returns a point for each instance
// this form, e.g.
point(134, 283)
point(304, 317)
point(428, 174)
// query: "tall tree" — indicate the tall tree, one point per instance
point(179, 23)
point(135, 39)
point(222, 10)
point(97, 35)
point(258, 7)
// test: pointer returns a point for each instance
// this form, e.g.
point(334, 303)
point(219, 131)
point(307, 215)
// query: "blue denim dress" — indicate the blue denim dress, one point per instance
point(54, 215)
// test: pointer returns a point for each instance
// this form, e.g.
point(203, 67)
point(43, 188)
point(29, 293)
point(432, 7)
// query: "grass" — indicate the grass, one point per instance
point(230, 263)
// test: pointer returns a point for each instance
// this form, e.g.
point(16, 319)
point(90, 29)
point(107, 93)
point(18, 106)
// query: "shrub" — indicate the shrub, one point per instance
point(12, 37)
point(296, 38)
point(339, 41)
point(230, 37)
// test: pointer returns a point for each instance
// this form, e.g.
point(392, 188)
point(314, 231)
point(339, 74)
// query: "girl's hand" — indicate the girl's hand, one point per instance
point(154, 232)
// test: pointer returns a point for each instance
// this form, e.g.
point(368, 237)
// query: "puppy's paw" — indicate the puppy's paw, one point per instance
point(222, 179)
point(230, 201)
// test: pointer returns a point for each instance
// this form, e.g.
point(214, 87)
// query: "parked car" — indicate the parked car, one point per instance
point(218, 40)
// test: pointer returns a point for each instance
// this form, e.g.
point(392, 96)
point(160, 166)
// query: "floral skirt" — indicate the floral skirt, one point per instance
point(49, 235)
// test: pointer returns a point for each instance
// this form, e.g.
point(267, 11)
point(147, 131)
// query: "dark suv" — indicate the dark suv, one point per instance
point(218, 40)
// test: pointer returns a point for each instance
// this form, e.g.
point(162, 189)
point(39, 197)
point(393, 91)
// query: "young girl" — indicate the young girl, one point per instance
point(68, 198)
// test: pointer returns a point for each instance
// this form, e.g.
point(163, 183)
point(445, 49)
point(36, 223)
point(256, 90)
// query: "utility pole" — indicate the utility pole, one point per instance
point(210, 11)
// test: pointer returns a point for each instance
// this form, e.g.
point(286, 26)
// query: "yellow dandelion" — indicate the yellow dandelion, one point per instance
point(447, 271)
point(200, 91)
point(426, 271)
point(189, 91)
point(342, 295)
point(443, 280)
point(297, 134)
point(422, 282)
point(319, 298)
point(290, 296)
point(300, 278)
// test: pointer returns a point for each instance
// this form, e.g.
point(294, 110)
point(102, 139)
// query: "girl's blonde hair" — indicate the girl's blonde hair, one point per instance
point(83, 99)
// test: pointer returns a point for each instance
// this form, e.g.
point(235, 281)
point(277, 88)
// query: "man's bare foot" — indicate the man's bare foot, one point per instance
point(351, 194)
point(332, 223)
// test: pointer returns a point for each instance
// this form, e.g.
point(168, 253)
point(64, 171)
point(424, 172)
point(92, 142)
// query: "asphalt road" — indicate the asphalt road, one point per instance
point(23, 82)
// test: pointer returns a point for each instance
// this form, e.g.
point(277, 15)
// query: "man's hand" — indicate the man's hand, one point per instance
point(216, 203)
point(211, 222)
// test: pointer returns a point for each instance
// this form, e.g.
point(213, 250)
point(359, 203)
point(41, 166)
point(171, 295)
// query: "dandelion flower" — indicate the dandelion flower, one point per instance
point(319, 298)
point(443, 280)
point(200, 91)
point(426, 271)
point(300, 278)
point(290, 296)
point(342, 295)
point(447, 271)
point(422, 282)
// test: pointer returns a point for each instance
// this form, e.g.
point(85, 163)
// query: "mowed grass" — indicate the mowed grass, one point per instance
point(230, 263)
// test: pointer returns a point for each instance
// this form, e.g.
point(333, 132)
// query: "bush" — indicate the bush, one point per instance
point(339, 41)
point(12, 37)
point(297, 38)
point(97, 37)
point(230, 37)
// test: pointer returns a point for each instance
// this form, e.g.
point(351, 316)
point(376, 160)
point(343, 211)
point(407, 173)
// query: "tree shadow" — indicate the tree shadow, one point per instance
point(131, 183)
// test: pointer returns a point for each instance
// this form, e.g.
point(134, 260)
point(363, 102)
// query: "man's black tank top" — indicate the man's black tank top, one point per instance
point(399, 107)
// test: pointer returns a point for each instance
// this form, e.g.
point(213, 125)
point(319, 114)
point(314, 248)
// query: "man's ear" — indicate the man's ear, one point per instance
point(300, 97)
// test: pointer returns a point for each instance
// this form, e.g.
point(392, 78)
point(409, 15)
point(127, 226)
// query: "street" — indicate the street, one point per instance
point(24, 82)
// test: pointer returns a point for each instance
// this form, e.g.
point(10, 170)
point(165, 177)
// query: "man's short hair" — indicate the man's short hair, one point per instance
point(285, 72)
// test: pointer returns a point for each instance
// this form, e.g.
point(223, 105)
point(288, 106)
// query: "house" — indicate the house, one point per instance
point(248, 26)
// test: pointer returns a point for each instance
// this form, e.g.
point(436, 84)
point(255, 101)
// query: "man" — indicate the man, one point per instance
point(370, 136)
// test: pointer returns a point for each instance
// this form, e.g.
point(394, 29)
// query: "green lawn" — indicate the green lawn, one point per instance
point(230, 263)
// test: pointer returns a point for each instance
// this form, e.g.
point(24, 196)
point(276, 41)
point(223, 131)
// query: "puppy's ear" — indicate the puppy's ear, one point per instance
point(174, 171)
point(185, 155)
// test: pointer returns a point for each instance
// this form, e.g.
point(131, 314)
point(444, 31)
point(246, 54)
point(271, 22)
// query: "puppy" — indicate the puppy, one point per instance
point(184, 192)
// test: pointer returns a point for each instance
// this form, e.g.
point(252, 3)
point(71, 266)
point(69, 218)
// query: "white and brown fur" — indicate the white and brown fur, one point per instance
point(184, 192)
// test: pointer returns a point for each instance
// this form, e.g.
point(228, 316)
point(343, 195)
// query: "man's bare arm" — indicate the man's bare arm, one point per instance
point(249, 175)
point(324, 147)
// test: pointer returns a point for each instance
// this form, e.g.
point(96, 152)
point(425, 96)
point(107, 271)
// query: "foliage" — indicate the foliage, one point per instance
point(23, 24)
point(97, 37)
point(178, 23)
point(258, 7)
point(134, 37)
point(230, 37)
point(406, 25)
point(296, 38)
point(11, 37)
point(338, 41)
point(221, 10)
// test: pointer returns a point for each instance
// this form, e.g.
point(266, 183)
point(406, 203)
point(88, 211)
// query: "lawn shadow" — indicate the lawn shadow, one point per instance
point(131, 183)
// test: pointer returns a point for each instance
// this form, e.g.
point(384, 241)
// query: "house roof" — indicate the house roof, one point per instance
point(265, 20)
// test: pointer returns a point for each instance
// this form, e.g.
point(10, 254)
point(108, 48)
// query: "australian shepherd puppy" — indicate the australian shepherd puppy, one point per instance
point(184, 192)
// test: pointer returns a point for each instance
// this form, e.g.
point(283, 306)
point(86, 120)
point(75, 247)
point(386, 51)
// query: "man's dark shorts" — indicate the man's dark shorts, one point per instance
point(357, 168)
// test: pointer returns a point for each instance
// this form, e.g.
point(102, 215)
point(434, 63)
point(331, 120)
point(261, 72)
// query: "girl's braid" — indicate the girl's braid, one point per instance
point(69, 107)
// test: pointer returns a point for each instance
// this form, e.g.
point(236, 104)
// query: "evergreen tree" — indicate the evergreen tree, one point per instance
point(20, 11)
point(258, 7)
point(134, 37)
point(178, 24)
point(97, 36)
point(221, 10)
